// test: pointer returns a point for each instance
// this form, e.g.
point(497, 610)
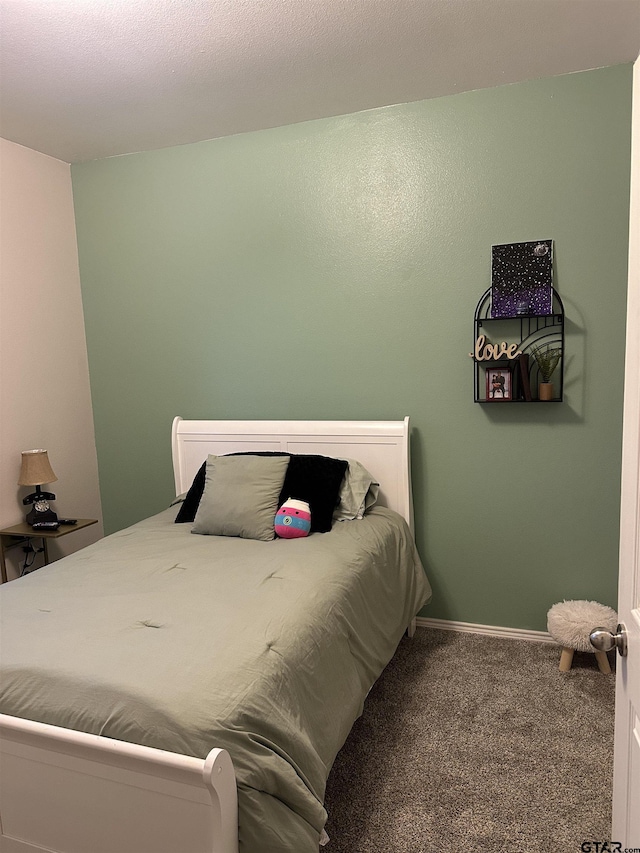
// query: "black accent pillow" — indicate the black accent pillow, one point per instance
point(311, 478)
point(189, 506)
point(316, 480)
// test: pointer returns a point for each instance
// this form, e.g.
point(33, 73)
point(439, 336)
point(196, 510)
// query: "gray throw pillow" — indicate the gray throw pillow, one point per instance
point(240, 496)
point(358, 493)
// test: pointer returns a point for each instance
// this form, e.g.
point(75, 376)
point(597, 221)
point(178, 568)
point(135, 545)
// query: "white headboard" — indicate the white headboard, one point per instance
point(381, 446)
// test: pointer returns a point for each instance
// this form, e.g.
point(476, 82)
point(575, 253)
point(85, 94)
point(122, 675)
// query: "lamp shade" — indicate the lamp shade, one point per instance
point(36, 469)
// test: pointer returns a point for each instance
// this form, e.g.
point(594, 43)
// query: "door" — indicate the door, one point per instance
point(626, 781)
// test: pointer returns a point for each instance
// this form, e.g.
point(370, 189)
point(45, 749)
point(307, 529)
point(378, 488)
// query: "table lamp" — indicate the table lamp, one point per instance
point(36, 469)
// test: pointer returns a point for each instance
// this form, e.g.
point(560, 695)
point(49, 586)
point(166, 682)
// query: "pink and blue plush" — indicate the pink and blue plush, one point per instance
point(293, 519)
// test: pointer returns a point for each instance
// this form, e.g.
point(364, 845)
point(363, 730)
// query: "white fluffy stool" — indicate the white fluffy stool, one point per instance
point(571, 622)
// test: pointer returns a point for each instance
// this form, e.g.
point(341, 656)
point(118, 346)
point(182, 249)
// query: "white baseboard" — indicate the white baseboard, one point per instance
point(489, 630)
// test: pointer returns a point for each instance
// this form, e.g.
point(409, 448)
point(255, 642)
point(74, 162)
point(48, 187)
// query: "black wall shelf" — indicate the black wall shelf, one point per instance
point(528, 331)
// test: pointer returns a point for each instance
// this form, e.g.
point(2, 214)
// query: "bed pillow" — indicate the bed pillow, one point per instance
point(189, 508)
point(316, 480)
point(311, 478)
point(359, 492)
point(240, 497)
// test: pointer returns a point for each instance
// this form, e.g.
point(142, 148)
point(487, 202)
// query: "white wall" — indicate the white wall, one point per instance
point(45, 400)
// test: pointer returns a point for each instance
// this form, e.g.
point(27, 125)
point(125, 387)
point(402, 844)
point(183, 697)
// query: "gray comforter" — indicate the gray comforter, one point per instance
point(182, 642)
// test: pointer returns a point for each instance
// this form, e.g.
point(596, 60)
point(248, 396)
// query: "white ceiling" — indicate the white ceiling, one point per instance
point(85, 79)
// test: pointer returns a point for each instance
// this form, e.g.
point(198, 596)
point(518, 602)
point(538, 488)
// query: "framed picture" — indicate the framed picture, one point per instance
point(498, 383)
point(521, 279)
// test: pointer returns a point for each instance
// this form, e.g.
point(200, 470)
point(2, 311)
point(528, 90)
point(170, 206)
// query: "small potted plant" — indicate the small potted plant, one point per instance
point(547, 359)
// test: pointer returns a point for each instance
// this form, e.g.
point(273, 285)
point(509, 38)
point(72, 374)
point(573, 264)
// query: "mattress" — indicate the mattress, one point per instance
point(182, 642)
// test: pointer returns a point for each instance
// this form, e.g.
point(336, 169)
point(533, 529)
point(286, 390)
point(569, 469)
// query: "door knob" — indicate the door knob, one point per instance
point(604, 640)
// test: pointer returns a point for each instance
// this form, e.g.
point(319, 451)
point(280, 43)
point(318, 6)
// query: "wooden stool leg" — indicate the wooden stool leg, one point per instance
point(565, 659)
point(603, 662)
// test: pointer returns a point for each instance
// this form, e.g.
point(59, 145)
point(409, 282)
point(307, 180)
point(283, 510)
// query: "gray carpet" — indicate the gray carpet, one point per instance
point(472, 744)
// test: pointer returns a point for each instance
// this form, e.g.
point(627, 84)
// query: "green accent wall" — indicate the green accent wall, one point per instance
point(331, 269)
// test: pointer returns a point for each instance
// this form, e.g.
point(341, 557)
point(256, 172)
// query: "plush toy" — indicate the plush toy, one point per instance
point(293, 519)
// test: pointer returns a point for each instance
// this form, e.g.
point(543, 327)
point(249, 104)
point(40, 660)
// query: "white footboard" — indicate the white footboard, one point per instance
point(72, 792)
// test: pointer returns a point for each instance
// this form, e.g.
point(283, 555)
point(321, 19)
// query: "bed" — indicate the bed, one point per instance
point(169, 693)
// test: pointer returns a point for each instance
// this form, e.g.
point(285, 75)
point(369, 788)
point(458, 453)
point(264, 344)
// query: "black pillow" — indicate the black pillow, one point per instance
point(310, 478)
point(316, 480)
point(190, 504)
